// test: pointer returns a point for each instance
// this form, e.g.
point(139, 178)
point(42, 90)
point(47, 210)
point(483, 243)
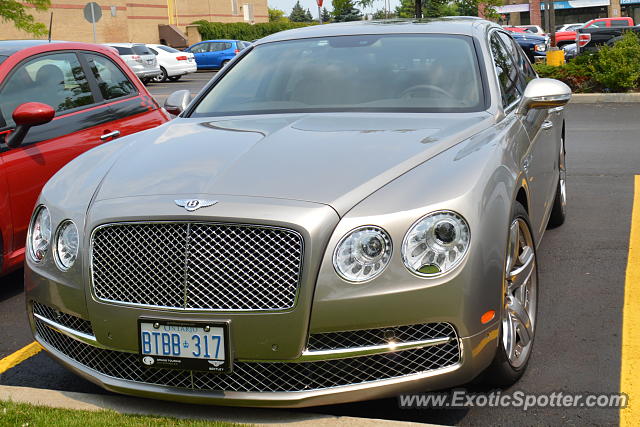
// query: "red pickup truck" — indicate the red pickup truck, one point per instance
point(567, 37)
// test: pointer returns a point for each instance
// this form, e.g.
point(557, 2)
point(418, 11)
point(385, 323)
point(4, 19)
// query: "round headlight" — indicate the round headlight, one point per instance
point(66, 245)
point(362, 254)
point(436, 243)
point(40, 234)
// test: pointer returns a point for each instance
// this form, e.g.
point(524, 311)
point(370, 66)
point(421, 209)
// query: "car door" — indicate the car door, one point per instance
point(131, 108)
point(216, 54)
point(201, 53)
point(57, 79)
point(541, 157)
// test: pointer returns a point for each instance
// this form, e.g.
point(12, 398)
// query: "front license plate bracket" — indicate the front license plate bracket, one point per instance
point(184, 345)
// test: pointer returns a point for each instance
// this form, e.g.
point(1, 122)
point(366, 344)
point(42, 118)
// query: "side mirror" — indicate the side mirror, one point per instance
point(544, 93)
point(177, 102)
point(25, 116)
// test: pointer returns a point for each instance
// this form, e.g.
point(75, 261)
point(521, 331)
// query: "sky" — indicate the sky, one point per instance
point(287, 5)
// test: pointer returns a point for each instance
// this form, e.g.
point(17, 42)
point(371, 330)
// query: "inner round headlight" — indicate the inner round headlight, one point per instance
point(436, 243)
point(66, 245)
point(40, 234)
point(362, 254)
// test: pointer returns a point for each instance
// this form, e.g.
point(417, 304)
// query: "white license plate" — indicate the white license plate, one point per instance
point(189, 346)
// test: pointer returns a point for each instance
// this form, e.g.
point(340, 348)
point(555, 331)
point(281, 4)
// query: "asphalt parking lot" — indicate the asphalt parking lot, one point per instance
point(582, 284)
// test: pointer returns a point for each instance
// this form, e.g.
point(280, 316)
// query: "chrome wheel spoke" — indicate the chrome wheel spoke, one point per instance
point(514, 245)
point(521, 319)
point(509, 336)
point(521, 274)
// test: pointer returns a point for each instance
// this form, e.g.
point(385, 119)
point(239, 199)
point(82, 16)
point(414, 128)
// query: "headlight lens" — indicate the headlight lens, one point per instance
point(540, 47)
point(436, 243)
point(40, 234)
point(66, 245)
point(362, 254)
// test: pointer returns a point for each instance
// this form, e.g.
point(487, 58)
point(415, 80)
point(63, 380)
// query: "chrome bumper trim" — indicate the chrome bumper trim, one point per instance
point(71, 333)
point(344, 353)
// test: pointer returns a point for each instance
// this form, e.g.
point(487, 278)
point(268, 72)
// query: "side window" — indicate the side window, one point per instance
point(56, 80)
point(598, 24)
point(155, 52)
point(203, 47)
point(113, 83)
point(226, 46)
point(619, 23)
point(527, 72)
point(505, 70)
point(216, 46)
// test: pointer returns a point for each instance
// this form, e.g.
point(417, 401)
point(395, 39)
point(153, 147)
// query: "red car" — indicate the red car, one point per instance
point(58, 100)
point(568, 37)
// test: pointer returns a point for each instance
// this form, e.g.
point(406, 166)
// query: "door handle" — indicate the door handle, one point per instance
point(548, 124)
point(113, 134)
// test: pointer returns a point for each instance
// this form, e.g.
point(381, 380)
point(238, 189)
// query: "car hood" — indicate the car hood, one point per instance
point(333, 159)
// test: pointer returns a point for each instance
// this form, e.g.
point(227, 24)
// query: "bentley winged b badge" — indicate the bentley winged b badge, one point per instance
point(193, 204)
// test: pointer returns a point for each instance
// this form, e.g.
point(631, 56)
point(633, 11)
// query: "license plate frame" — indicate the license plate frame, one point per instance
point(170, 361)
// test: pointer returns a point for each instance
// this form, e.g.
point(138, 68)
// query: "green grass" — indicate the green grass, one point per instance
point(25, 415)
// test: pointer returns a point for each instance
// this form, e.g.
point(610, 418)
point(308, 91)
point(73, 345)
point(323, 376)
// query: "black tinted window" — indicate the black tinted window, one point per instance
point(620, 23)
point(124, 50)
point(141, 49)
point(56, 80)
point(524, 66)
point(505, 70)
point(168, 49)
point(352, 73)
point(112, 81)
point(155, 52)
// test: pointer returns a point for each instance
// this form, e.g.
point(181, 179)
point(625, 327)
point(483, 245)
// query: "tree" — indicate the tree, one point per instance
point(308, 16)
point(345, 10)
point(470, 8)
point(382, 14)
point(275, 15)
point(326, 16)
point(16, 12)
point(297, 13)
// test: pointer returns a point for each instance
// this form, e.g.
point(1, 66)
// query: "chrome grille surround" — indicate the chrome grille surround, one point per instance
point(64, 319)
point(175, 265)
point(259, 376)
point(381, 336)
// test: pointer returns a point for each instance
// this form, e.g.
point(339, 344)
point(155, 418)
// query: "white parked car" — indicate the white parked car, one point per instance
point(173, 63)
point(139, 58)
point(535, 29)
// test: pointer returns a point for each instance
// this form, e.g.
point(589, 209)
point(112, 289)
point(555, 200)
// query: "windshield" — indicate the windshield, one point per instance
point(418, 73)
point(141, 49)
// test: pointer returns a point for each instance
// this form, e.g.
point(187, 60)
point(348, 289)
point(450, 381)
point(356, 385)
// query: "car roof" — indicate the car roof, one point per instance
point(460, 25)
point(124, 44)
point(9, 47)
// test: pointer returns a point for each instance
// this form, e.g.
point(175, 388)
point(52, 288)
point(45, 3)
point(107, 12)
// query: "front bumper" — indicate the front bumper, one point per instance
point(358, 376)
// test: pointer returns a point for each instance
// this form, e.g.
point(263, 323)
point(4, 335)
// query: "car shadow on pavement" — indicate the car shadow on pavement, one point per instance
point(11, 285)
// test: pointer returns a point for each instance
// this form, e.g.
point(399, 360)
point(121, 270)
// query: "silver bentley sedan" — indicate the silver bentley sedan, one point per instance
point(345, 212)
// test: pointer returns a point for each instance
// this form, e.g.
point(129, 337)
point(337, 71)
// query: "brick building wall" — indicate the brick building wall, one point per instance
point(135, 20)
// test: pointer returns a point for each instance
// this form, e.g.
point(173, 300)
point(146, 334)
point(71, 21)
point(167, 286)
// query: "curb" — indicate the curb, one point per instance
point(140, 406)
point(597, 98)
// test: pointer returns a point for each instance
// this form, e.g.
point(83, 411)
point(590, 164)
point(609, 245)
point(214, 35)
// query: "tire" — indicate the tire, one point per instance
point(224, 63)
point(145, 81)
point(162, 77)
point(174, 78)
point(513, 353)
point(559, 209)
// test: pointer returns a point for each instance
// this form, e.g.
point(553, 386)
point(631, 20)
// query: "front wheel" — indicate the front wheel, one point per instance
point(174, 78)
point(224, 63)
point(520, 303)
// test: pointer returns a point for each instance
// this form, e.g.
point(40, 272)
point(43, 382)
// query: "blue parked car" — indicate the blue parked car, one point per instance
point(214, 54)
point(532, 44)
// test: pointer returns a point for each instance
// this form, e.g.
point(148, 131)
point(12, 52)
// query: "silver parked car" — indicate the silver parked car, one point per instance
point(345, 212)
point(141, 60)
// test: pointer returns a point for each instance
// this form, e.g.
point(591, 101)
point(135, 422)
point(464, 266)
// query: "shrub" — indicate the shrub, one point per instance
point(244, 31)
point(618, 66)
point(577, 73)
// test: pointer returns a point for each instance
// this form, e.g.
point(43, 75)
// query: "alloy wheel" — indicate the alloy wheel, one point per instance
point(519, 314)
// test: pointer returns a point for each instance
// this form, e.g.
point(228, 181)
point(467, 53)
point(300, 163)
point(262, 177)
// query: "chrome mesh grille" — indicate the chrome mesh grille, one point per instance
point(64, 319)
point(197, 266)
point(259, 376)
point(382, 336)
